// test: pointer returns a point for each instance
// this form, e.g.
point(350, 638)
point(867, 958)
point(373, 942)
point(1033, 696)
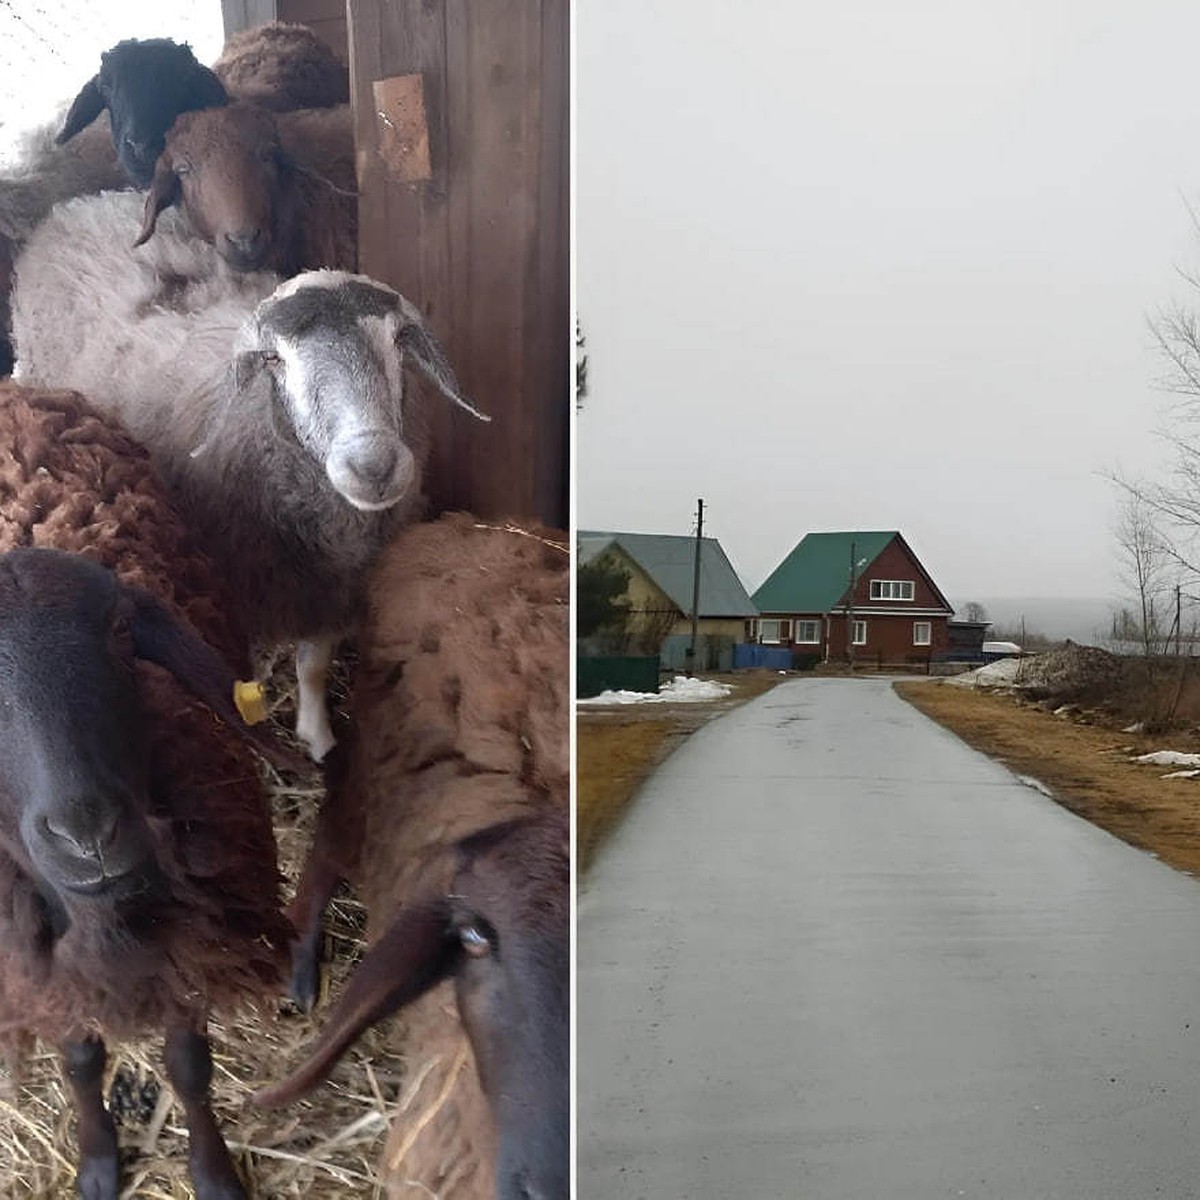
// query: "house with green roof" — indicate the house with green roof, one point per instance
point(860, 593)
point(659, 594)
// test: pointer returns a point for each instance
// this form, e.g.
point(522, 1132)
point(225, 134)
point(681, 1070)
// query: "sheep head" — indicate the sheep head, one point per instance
point(145, 85)
point(502, 931)
point(333, 347)
point(225, 169)
point(73, 752)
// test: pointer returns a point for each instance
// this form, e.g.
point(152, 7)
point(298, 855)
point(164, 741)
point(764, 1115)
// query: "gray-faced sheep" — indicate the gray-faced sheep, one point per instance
point(137, 863)
point(281, 66)
point(284, 428)
point(144, 84)
point(448, 810)
point(269, 192)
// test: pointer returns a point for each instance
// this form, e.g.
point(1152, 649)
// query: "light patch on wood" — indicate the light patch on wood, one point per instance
point(403, 131)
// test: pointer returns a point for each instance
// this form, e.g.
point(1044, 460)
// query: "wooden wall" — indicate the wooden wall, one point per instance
point(326, 18)
point(482, 246)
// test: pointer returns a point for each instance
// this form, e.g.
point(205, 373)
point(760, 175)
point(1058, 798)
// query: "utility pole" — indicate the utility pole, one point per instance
point(691, 650)
point(850, 613)
point(1178, 621)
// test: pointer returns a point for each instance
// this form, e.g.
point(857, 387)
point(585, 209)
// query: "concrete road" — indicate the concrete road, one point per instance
point(834, 954)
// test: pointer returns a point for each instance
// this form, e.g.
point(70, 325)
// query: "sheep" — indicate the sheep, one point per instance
point(282, 67)
point(138, 880)
point(269, 192)
point(145, 84)
point(448, 807)
point(282, 427)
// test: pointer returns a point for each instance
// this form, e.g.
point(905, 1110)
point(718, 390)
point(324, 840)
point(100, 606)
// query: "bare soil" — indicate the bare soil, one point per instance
point(1084, 759)
point(617, 748)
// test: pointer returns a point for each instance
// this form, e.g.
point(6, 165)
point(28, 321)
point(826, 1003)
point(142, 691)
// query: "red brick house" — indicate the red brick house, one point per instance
point(894, 613)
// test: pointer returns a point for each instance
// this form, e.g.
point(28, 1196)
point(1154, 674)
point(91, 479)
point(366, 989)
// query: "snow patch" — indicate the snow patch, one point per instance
point(680, 690)
point(1169, 758)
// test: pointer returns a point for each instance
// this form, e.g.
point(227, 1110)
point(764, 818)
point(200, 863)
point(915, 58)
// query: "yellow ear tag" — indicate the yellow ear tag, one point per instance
point(248, 696)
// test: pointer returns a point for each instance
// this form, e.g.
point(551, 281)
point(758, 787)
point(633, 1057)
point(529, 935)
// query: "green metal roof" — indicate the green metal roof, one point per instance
point(815, 576)
point(669, 560)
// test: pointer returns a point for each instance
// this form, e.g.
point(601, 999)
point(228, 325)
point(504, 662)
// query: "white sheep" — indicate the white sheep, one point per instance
point(276, 412)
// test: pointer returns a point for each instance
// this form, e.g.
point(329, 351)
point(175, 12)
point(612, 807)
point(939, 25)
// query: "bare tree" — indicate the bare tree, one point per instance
point(974, 611)
point(1148, 567)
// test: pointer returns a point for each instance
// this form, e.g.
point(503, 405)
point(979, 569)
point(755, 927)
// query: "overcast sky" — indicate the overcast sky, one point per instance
point(876, 265)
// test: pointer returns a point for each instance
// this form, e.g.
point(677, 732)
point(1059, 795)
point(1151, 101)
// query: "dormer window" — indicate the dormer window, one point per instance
point(891, 589)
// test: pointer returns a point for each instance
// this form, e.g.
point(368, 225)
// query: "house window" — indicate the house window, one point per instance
point(859, 637)
point(922, 633)
point(808, 633)
point(891, 589)
point(772, 631)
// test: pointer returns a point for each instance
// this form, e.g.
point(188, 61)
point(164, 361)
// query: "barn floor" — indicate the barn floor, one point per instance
point(320, 1148)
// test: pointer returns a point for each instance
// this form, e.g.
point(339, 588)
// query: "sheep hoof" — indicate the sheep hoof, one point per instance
point(99, 1177)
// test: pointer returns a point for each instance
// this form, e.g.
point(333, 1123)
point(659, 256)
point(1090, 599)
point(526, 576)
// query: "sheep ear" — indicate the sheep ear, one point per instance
point(160, 637)
point(205, 90)
point(247, 365)
point(164, 191)
point(416, 952)
point(85, 108)
point(415, 339)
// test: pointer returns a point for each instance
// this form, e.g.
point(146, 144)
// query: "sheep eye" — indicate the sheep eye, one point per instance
point(474, 941)
point(183, 168)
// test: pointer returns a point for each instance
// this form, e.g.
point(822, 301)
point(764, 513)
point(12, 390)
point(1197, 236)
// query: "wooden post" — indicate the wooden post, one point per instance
point(476, 232)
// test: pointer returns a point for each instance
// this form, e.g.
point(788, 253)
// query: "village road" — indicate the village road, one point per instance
point(834, 954)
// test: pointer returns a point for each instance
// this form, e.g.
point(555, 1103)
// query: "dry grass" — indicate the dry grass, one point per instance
point(321, 1148)
point(1086, 766)
point(616, 749)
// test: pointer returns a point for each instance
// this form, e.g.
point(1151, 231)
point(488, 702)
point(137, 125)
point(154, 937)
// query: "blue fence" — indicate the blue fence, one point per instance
point(777, 658)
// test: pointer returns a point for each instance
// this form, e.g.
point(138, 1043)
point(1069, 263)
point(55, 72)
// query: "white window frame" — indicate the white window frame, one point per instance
point(775, 625)
point(858, 635)
point(892, 589)
point(801, 627)
point(928, 627)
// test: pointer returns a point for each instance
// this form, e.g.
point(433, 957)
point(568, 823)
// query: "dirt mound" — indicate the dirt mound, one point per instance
point(1070, 673)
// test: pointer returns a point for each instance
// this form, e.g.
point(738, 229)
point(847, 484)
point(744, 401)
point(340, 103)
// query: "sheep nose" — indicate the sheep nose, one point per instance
point(246, 242)
point(374, 464)
point(83, 830)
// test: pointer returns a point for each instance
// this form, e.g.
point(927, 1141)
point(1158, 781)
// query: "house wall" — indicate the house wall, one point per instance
point(888, 636)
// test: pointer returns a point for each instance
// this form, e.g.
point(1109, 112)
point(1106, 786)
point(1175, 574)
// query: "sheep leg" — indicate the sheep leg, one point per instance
point(99, 1166)
point(312, 716)
point(317, 884)
point(189, 1068)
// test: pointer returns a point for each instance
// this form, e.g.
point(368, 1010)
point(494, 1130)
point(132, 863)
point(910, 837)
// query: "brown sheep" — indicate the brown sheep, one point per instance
point(138, 880)
point(448, 809)
point(281, 66)
point(269, 192)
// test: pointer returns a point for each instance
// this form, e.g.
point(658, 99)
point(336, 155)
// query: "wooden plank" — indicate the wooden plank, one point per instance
point(481, 245)
point(333, 33)
point(305, 12)
point(237, 15)
point(399, 104)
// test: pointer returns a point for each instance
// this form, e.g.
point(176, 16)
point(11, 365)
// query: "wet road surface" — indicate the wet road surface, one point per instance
point(834, 954)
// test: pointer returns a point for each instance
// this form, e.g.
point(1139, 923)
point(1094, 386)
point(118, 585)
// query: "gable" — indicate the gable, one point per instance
point(815, 576)
point(669, 561)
